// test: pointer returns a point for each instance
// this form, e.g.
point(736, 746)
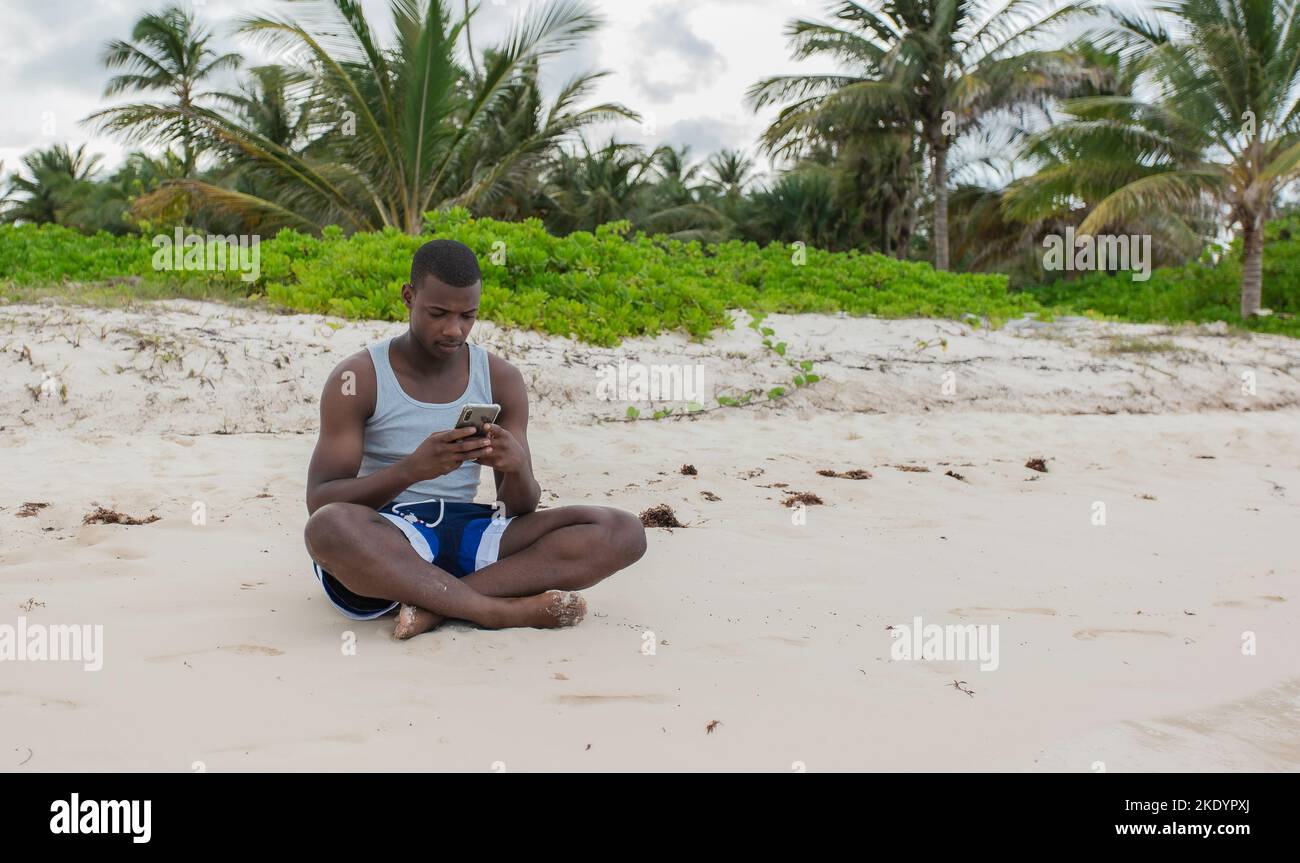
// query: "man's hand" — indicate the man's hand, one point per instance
point(505, 455)
point(442, 452)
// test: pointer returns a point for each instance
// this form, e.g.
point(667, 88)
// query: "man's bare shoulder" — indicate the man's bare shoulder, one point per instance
point(503, 373)
point(350, 386)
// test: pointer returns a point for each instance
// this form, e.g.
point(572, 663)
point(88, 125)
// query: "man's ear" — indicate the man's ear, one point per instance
point(408, 294)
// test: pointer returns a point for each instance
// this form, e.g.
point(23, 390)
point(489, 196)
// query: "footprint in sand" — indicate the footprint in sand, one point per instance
point(241, 649)
point(793, 642)
point(1091, 634)
point(254, 649)
point(39, 700)
point(981, 610)
point(1262, 601)
point(123, 552)
point(611, 699)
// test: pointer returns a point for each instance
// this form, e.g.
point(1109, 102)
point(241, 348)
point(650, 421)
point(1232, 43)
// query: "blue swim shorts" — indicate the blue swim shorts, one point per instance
point(457, 537)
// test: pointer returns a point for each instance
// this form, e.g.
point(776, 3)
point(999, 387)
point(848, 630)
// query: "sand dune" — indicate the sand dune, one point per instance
point(1120, 644)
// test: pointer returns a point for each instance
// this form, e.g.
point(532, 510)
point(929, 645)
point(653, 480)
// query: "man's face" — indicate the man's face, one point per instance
point(441, 315)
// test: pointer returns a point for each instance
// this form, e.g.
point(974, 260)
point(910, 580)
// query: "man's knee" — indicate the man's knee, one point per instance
point(627, 536)
point(333, 526)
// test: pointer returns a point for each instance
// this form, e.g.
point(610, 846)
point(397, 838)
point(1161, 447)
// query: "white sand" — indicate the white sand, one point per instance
point(1119, 643)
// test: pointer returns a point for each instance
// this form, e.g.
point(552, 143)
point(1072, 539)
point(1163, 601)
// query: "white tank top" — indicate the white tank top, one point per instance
point(400, 423)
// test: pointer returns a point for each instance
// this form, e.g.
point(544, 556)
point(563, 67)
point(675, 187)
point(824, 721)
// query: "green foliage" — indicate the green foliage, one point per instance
point(1199, 292)
point(33, 255)
point(599, 288)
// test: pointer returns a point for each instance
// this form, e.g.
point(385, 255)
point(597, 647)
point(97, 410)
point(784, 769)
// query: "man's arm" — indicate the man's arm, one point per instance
point(511, 461)
point(346, 402)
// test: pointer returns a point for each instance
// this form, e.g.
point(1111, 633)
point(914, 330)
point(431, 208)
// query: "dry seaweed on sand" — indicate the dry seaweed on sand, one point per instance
point(855, 473)
point(804, 497)
point(660, 515)
point(1037, 464)
point(103, 515)
point(689, 470)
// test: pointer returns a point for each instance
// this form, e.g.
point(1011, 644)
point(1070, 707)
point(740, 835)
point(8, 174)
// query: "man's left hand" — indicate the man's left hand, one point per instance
point(506, 455)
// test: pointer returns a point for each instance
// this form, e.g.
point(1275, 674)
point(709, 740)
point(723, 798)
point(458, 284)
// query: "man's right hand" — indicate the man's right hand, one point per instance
point(442, 452)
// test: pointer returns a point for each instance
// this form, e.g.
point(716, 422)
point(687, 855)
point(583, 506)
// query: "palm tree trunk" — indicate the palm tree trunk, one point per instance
point(885, 248)
point(1252, 264)
point(940, 180)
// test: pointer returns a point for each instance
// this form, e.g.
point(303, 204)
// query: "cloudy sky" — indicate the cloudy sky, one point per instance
point(684, 65)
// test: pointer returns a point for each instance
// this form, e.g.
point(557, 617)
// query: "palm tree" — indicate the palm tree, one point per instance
point(676, 203)
point(727, 176)
point(729, 172)
point(519, 136)
point(800, 206)
point(1223, 125)
point(941, 66)
point(401, 129)
point(168, 53)
point(55, 182)
point(272, 103)
point(591, 188)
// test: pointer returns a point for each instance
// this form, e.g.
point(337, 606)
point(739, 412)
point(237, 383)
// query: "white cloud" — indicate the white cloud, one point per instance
point(687, 63)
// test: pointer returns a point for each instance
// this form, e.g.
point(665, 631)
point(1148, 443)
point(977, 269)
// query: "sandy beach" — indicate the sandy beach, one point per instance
point(1120, 644)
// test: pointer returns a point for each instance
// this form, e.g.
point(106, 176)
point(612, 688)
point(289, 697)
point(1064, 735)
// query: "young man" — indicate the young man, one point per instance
point(392, 523)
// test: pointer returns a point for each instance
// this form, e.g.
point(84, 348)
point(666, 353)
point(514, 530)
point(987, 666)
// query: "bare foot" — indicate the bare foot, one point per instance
point(551, 610)
point(413, 620)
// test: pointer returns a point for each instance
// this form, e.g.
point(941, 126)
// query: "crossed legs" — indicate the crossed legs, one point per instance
point(564, 549)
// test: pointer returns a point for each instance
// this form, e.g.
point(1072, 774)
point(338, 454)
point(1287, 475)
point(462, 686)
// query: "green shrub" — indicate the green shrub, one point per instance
point(599, 288)
point(1196, 292)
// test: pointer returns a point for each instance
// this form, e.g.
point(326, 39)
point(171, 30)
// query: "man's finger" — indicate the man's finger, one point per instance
point(453, 434)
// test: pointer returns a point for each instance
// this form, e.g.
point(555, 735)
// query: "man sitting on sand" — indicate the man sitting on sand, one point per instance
point(391, 484)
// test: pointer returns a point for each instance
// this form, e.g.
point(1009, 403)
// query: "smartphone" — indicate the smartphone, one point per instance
point(476, 415)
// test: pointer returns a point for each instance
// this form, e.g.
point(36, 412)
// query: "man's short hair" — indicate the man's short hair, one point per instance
point(447, 261)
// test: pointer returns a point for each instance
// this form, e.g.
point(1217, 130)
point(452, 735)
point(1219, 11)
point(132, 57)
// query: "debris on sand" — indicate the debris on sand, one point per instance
point(30, 509)
point(1037, 464)
point(913, 468)
point(713, 723)
point(660, 515)
point(689, 470)
point(750, 474)
point(855, 473)
point(30, 604)
point(102, 515)
point(1145, 496)
point(954, 475)
point(960, 685)
point(804, 497)
point(710, 496)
